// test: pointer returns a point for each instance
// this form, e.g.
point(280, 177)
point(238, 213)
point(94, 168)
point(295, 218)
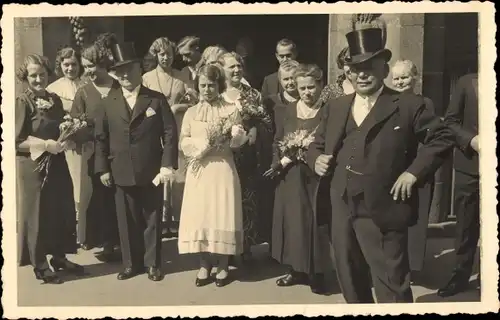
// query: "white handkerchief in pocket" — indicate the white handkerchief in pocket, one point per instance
point(397, 128)
point(150, 112)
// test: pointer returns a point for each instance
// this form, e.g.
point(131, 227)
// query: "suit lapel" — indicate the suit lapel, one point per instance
point(338, 116)
point(119, 105)
point(141, 104)
point(383, 108)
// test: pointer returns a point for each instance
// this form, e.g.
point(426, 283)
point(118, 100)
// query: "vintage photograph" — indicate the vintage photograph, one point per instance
point(239, 159)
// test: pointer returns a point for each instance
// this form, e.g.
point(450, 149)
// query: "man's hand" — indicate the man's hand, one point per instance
point(165, 175)
point(474, 143)
point(322, 164)
point(403, 186)
point(106, 179)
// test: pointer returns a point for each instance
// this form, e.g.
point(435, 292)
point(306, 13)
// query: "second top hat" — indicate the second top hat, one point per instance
point(122, 54)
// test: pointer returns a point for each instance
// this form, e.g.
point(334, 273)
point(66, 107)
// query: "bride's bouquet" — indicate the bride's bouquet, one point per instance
point(225, 130)
point(68, 129)
point(295, 144)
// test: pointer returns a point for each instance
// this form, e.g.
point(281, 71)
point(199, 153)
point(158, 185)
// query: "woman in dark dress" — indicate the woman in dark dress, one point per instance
point(249, 157)
point(46, 211)
point(275, 105)
point(97, 225)
point(295, 235)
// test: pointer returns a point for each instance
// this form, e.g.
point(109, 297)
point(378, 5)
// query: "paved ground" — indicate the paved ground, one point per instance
point(254, 285)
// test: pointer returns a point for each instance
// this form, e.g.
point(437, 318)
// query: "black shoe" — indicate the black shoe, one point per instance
point(129, 273)
point(203, 282)
point(64, 264)
point(154, 274)
point(291, 279)
point(47, 276)
point(317, 284)
point(222, 282)
point(456, 285)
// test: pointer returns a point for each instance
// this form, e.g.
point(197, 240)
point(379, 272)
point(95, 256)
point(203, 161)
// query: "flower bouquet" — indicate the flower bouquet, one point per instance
point(251, 110)
point(219, 133)
point(295, 144)
point(68, 129)
point(190, 97)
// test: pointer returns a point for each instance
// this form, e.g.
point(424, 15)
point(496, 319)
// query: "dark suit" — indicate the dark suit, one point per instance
point(369, 228)
point(271, 85)
point(462, 118)
point(129, 145)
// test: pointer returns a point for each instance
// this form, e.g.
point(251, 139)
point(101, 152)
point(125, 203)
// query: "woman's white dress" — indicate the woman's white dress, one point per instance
point(77, 159)
point(211, 215)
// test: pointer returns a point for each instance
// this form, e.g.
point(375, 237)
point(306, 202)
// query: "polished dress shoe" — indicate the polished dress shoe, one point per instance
point(456, 285)
point(222, 282)
point(47, 276)
point(203, 282)
point(154, 274)
point(317, 284)
point(64, 264)
point(128, 273)
point(291, 279)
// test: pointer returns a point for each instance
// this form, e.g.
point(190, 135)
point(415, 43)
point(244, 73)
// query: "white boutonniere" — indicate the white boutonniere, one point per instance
point(43, 104)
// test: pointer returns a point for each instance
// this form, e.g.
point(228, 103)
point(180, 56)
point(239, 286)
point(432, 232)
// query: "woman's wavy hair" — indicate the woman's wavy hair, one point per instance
point(162, 44)
point(342, 57)
point(222, 58)
point(212, 73)
point(99, 52)
point(22, 71)
point(211, 53)
point(309, 70)
point(67, 53)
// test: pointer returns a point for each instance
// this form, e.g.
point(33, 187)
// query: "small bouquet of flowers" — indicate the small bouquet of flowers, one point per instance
point(295, 144)
point(251, 110)
point(219, 133)
point(68, 129)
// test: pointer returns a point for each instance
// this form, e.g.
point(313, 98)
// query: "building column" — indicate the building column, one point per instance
point(27, 40)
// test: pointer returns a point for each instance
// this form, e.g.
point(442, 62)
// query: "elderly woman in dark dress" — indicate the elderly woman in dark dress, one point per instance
point(276, 105)
point(295, 234)
point(46, 210)
point(97, 225)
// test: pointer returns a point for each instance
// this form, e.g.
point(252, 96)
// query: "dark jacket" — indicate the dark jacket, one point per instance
point(271, 85)
point(398, 123)
point(129, 143)
point(462, 118)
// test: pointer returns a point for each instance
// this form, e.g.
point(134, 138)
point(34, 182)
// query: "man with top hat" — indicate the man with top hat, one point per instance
point(365, 148)
point(136, 150)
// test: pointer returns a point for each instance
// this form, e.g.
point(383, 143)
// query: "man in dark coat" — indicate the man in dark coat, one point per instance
point(136, 149)
point(462, 118)
point(285, 50)
point(366, 149)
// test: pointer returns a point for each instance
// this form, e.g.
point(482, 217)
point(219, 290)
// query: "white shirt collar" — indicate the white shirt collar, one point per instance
point(133, 93)
point(372, 98)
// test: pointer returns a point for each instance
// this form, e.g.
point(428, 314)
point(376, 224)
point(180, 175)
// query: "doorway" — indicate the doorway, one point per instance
point(309, 32)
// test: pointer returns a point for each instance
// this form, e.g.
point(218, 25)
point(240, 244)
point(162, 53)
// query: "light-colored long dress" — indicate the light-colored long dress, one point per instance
point(66, 90)
point(174, 90)
point(211, 215)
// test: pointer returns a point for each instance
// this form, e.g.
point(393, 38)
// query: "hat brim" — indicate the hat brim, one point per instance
point(360, 58)
point(122, 63)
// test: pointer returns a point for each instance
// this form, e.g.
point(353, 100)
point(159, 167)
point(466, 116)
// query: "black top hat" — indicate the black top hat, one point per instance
point(366, 44)
point(123, 54)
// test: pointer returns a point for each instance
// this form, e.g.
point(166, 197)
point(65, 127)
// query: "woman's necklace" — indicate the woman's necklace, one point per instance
point(169, 78)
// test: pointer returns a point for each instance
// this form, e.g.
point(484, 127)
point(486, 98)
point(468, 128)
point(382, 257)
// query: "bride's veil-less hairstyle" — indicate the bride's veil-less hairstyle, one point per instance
point(212, 73)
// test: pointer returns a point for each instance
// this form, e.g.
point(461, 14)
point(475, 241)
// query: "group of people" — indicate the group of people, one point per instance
point(373, 149)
